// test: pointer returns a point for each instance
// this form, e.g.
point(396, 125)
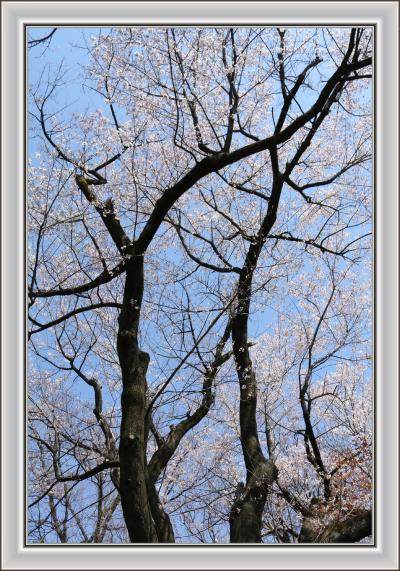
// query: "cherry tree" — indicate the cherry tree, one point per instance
point(199, 289)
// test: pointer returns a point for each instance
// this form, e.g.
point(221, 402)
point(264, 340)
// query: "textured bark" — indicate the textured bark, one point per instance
point(353, 529)
point(145, 518)
point(132, 449)
point(132, 452)
point(246, 513)
point(245, 518)
point(163, 526)
point(348, 530)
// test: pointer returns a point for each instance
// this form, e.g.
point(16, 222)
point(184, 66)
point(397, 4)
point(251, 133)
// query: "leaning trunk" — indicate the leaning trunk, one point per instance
point(346, 529)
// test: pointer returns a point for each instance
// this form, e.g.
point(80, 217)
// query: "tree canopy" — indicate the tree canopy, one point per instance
point(199, 286)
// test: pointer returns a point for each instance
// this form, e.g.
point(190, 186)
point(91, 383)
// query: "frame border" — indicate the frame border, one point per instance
point(15, 17)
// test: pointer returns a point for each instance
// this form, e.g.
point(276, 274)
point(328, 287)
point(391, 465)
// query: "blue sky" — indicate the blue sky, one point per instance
point(67, 47)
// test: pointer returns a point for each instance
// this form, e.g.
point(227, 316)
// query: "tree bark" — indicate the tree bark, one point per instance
point(246, 513)
point(135, 500)
point(245, 519)
point(346, 530)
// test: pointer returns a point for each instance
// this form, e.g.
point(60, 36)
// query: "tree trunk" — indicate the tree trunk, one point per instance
point(346, 530)
point(245, 518)
point(246, 513)
point(141, 507)
point(245, 522)
point(164, 530)
point(132, 453)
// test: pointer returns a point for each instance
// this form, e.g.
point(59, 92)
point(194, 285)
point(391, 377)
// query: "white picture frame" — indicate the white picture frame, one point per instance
point(384, 554)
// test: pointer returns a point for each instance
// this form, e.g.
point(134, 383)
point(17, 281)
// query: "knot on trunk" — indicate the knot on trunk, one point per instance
point(257, 487)
point(262, 479)
point(245, 518)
